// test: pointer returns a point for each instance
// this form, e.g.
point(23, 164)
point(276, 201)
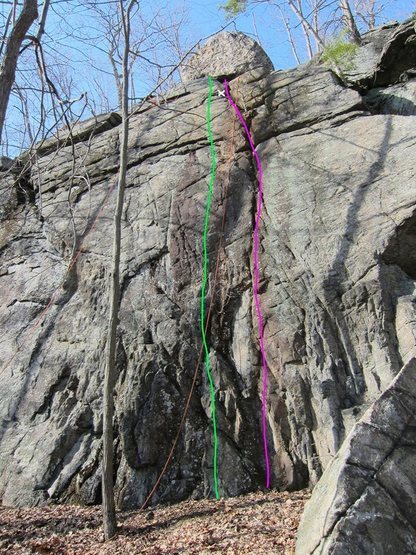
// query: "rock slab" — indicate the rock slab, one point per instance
point(365, 501)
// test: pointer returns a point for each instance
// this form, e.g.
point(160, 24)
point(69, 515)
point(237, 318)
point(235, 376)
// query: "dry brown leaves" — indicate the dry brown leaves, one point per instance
point(260, 523)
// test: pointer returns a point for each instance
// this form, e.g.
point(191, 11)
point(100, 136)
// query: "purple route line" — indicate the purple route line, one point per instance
point(256, 278)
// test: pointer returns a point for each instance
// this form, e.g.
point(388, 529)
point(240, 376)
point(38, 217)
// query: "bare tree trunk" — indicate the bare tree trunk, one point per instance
point(349, 21)
point(6, 26)
point(26, 116)
point(290, 36)
point(367, 12)
point(109, 511)
point(8, 65)
point(255, 28)
point(305, 30)
point(42, 23)
point(315, 21)
point(117, 78)
point(306, 26)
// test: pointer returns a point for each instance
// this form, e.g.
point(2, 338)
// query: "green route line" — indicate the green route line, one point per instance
point(204, 284)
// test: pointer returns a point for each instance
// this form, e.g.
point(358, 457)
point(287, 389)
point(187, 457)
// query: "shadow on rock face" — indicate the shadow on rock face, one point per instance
point(396, 100)
point(401, 249)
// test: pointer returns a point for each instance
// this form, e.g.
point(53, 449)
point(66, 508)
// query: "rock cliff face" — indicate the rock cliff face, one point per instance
point(338, 264)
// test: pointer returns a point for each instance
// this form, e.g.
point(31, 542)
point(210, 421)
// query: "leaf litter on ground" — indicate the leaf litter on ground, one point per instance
point(256, 523)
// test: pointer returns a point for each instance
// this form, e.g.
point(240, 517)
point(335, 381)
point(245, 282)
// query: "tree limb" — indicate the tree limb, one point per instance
point(26, 18)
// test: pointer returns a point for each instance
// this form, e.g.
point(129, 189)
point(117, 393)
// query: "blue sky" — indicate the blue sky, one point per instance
point(86, 68)
point(206, 18)
point(261, 21)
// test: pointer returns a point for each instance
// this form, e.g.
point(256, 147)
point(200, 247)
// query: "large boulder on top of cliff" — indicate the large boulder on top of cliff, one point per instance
point(226, 55)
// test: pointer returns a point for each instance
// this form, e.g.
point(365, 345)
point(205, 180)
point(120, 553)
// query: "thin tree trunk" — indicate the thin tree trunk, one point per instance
point(9, 63)
point(371, 15)
point(349, 21)
point(315, 21)
point(290, 36)
point(119, 83)
point(26, 117)
point(109, 512)
point(305, 24)
point(305, 31)
point(3, 40)
point(42, 23)
point(255, 28)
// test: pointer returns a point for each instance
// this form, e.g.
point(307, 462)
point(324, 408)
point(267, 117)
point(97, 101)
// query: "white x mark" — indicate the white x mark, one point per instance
point(221, 93)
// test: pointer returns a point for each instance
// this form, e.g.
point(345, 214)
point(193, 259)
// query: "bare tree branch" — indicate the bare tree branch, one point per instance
point(26, 18)
point(349, 22)
point(42, 23)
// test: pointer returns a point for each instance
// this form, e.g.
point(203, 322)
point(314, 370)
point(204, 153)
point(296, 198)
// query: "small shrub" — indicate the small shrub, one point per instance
point(340, 54)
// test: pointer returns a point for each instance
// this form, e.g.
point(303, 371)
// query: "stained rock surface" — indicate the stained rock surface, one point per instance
point(337, 287)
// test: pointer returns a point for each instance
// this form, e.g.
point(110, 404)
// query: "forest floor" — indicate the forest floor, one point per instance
point(257, 523)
